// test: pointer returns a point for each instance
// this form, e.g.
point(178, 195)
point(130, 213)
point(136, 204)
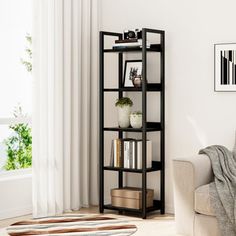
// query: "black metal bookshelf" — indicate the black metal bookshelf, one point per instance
point(146, 126)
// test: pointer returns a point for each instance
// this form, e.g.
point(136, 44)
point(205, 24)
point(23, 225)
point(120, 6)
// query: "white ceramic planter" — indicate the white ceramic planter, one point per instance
point(123, 116)
point(136, 120)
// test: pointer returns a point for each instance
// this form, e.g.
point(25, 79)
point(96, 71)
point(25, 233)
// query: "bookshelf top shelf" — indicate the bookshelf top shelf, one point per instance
point(157, 48)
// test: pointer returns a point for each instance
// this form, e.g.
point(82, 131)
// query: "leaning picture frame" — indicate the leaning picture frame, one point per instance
point(225, 67)
point(133, 70)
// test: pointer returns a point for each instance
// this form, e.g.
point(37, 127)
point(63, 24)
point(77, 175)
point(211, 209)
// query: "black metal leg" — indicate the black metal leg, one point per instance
point(101, 117)
point(144, 125)
point(163, 124)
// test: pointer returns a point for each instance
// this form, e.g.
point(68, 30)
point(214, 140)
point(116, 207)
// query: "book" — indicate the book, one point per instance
point(148, 154)
point(132, 154)
point(126, 40)
point(112, 154)
point(126, 152)
point(123, 45)
point(124, 48)
point(117, 152)
point(137, 44)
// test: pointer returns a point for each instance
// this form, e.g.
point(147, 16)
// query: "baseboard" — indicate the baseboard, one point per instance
point(15, 212)
point(169, 209)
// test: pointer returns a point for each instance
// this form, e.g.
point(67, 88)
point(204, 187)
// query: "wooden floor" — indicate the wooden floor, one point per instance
point(151, 219)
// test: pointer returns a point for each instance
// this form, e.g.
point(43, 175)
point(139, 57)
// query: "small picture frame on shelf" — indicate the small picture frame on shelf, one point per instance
point(133, 73)
point(225, 67)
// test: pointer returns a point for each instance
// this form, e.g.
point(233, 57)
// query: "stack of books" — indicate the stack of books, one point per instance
point(127, 153)
point(128, 43)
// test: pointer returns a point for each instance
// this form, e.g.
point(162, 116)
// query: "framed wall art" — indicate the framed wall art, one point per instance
point(225, 67)
point(133, 71)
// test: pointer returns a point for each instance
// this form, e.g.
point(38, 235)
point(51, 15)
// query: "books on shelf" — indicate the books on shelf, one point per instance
point(124, 44)
point(126, 40)
point(127, 153)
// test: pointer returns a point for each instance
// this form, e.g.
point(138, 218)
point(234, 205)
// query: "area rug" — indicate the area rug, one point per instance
point(73, 224)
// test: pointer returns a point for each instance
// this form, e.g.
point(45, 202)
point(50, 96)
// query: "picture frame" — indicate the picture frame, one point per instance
point(132, 68)
point(225, 67)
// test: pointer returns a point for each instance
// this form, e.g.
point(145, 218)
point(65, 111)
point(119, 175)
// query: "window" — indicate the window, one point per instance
point(15, 84)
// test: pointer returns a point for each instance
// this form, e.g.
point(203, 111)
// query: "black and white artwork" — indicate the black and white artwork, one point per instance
point(225, 67)
point(133, 69)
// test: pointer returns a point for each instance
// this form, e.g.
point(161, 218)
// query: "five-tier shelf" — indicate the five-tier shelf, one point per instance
point(159, 126)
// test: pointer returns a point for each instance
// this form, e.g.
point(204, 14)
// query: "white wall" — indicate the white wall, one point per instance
point(196, 116)
point(15, 193)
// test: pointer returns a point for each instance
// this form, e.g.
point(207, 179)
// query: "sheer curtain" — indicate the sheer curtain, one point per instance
point(65, 116)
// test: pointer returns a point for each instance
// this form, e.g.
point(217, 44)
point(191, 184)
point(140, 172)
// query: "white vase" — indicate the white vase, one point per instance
point(123, 116)
point(136, 120)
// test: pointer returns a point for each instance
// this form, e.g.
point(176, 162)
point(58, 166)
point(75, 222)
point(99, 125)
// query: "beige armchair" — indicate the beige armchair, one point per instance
point(193, 211)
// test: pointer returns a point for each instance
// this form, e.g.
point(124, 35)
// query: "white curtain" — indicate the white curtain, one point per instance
point(65, 116)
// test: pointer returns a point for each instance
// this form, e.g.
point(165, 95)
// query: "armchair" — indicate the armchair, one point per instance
point(193, 212)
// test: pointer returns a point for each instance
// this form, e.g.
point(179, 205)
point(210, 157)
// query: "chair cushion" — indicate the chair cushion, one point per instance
point(202, 201)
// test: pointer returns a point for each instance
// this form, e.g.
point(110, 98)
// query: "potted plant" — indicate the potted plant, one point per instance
point(124, 105)
point(136, 119)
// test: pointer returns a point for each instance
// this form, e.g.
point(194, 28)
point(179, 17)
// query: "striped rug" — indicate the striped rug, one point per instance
point(73, 224)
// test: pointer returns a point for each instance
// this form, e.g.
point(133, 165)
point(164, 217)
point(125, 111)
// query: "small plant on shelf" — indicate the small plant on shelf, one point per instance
point(137, 113)
point(125, 101)
point(124, 105)
point(136, 119)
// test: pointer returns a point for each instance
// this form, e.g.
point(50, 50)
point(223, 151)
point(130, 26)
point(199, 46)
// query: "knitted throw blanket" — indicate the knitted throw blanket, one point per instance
point(223, 189)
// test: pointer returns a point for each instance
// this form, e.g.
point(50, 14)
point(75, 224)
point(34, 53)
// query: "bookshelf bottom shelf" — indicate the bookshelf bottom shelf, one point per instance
point(156, 206)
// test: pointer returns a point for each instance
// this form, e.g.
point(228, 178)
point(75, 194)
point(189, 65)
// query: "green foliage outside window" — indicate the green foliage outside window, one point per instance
point(28, 61)
point(19, 144)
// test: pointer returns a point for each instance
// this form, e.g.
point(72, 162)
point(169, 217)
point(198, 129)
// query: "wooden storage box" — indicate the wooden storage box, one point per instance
point(130, 197)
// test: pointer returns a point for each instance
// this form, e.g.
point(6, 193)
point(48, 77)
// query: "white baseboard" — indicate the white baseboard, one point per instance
point(15, 212)
point(169, 209)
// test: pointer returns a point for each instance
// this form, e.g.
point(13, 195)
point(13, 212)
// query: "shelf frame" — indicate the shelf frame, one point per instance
point(156, 166)
point(151, 87)
point(156, 206)
point(146, 126)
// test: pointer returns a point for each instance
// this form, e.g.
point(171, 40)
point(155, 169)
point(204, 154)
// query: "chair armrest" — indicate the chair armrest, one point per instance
point(189, 173)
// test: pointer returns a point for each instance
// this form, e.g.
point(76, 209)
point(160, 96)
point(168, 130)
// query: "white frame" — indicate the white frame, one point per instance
point(218, 87)
point(13, 120)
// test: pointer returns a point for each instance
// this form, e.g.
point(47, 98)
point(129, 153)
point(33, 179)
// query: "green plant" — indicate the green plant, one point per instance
point(125, 101)
point(137, 113)
point(19, 145)
point(28, 62)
